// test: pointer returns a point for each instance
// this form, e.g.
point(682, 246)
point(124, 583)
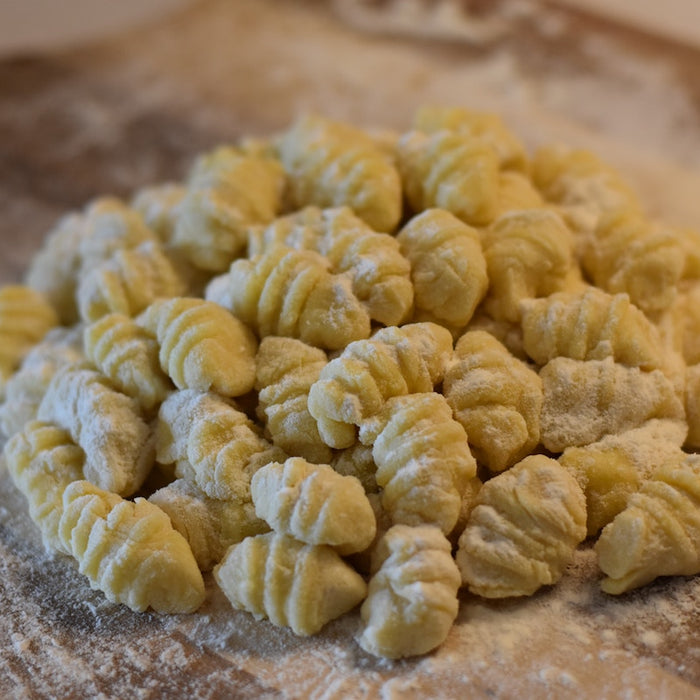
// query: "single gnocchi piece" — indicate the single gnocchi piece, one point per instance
point(209, 525)
point(314, 504)
point(611, 470)
point(42, 460)
point(628, 253)
point(523, 530)
point(331, 164)
point(423, 459)
point(128, 282)
point(292, 293)
point(201, 345)
point(25, 317)
point(107, 424)
point(529, 254)
point(583, 186)
point(584, 401)
point(496, 397)
point(128, 355)
point(129, 551)
point(158, 206)
point(452, 171)
point(290, 583)
point(109, 225)
point(412, 597)
point(379, 272)
point(286, 369)
point(590, 325)
point(658, 533)
point(227, 191)
point(485, 126)
point(212, 444)
point(448, 268)
point(393, 362)
point(516, 191)
point(54, 269)
point(27, 386)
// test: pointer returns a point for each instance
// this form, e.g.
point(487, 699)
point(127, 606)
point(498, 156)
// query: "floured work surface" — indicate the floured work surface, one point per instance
point(112, 118)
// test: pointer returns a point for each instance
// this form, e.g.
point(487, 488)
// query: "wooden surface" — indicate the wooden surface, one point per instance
point(134, 110)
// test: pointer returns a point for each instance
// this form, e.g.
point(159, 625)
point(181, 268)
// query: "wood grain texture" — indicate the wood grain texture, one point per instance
point(134, 110)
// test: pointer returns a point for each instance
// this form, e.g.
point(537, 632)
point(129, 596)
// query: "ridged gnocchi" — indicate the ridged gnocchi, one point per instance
point(26, 387)
point(201, 345)
point(333, 164)
point(211, 443)
point(227, 191)
point(630, 254)
point(496, 397)
point(209, 525)
point(529, 253)
point(128, 282)
point(657, 534)
point(128, 355)
point(25, 317)
point(42, 460)
point(85, 403)
point(412, 597)
point(611, 470)
point(393, 362)
point(314, 504)
point(129, 550)
point(293, 293)
point(448, 268)
point(286, 369)
point(423, 459)
point(290, 583)
point(158, 206)
point(379, 272)
point(523, 530)
point(584, 401)
point(452, 171)
point(590, 325)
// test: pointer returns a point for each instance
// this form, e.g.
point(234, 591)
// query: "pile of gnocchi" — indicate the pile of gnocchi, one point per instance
point(340, 367)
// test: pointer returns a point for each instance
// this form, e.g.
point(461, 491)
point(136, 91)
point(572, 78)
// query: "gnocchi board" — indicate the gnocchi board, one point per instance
point(134, 110)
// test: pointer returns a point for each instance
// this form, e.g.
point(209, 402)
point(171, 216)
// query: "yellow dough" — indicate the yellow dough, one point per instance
point(227, 191)
point(330, 164)
point(128, 282)
point(448, 268)
point(86, 404)
point(42, 460)
point(657, 534)
point(293, 293)
point(523, 530)
point(314, 504)
point(128, 355)
point(380, 274)
point(129, 550)
point(412, 596)
point(25, 317)
point(211, 443)
point(286, 369)
point(292, 584)
point(496, 397)
point(201, 345)
point(529, 253)
point(590, 325)
point(423, 459)
point(209, 525)
point(393, 362)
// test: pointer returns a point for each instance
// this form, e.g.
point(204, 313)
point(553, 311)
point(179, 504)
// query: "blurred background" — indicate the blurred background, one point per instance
point(103, 97)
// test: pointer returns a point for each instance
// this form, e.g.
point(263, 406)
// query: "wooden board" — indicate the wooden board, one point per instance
point(112, 117)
